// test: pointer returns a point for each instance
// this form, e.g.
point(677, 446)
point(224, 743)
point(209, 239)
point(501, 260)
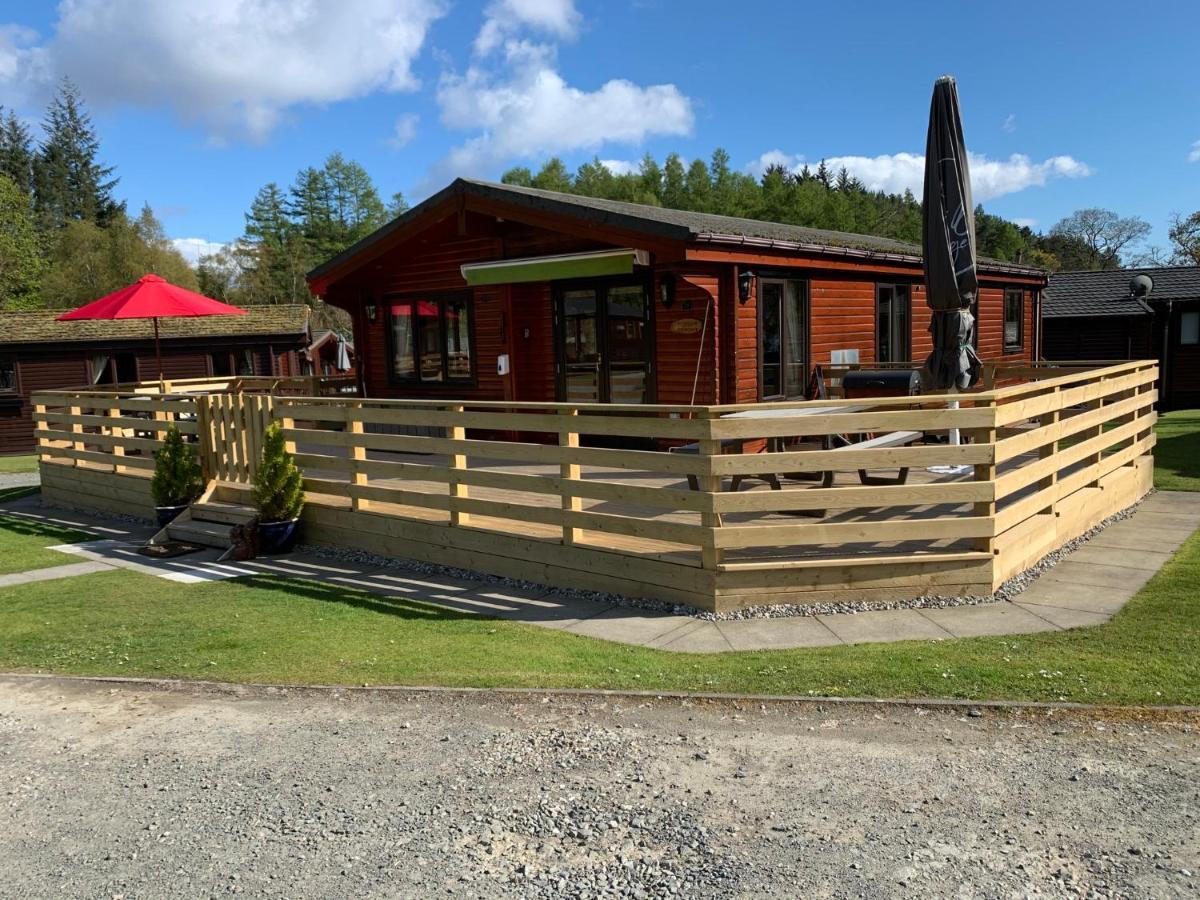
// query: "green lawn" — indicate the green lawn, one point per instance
point(23, 543)
point(1177, 454)
point(10, 465)
point(272, 630)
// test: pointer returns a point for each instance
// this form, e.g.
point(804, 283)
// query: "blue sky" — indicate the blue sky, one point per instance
point(1065, 104)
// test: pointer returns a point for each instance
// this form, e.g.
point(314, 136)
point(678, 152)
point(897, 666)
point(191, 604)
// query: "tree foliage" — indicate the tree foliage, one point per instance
point(1095, 238)
point(21, 262)
point(288, 233)
point(176, 479)
point(1185, 239)
point(278, 489)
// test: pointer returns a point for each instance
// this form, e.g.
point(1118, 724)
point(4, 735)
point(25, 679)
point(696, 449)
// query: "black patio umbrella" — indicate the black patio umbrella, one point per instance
point(948, 245)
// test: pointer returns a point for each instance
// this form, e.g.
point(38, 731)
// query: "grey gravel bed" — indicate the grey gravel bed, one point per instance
point(1006, 591)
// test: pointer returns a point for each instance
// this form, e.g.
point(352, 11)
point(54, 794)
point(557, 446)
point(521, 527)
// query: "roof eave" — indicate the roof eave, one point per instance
point(850, 252)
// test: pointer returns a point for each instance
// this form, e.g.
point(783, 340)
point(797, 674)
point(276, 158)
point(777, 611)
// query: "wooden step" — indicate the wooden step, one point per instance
point(223, 512)
point(208, 534)
point(229, 492)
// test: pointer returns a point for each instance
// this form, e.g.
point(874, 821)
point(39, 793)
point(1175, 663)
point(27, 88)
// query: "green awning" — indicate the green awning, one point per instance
point(552, 268)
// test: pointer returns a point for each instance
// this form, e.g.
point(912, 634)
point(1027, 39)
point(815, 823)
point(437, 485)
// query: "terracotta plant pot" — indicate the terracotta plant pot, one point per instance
point(166, 514)
point(278, 537)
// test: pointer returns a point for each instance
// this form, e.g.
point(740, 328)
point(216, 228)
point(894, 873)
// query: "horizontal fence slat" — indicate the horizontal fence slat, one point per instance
point(1035, 438)
point(865, 532)
point(855, 422)
point(853, 496)
point(850, 460)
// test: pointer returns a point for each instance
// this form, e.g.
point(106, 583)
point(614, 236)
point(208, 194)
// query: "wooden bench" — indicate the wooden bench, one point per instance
point(891, 439)
point(730, 445)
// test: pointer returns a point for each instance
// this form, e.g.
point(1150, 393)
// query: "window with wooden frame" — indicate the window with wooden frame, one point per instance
point(1189, 329)
point(8, 373)
point(1014, 319)
point(782, 338)
point(893, 323)
point(431, 339)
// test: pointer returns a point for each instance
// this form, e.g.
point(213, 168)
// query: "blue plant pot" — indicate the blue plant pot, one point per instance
point(278, 537)
point(166, 514)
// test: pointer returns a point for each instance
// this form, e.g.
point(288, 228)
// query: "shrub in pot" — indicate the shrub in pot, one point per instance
point(278, 494)
point(177, 480)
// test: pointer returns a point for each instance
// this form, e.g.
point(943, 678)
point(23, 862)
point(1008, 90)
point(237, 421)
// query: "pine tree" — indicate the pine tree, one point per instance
point(398, 205)
point(553, 176)
point(177, 478)
point(16, 152)
point(518, 176)
point(650, 181)
point(21, 263)
point(674, 190)
point(699, 186)
point(278, 489)
point(70, 184)
point(593, 179)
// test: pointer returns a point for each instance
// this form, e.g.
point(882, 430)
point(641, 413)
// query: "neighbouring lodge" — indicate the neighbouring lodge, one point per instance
point(496, 292)
point(1149, 313)
point(39, 353)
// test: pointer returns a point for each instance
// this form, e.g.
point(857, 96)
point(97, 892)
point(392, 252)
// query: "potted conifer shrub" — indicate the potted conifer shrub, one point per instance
point(278, 494)
point(177, 481)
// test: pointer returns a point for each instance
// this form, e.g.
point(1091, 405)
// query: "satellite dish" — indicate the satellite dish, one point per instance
point(1140, 286)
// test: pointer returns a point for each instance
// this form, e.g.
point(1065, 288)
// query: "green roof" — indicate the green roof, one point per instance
point(43, 327)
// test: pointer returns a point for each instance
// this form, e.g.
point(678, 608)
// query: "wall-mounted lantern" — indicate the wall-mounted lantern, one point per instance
point(666, 290)
point(371, 310)
point(745, 283)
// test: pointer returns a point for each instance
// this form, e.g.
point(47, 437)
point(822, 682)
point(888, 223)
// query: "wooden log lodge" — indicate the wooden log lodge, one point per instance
point(38, 353)
point(495, 292)
point(605, 396)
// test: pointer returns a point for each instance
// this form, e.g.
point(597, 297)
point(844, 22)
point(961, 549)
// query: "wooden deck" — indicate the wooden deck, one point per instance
point(524, 489)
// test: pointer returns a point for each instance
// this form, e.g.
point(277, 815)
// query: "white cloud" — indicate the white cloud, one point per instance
point(504, 18)
point(235, 66)
point(1010, 123)
point(1194, 156)
point(192, 248)
point(898, 172)
point(406, 130)
point(790, 161)
point(526, 110)
point(1024, 222)
point(620, 166)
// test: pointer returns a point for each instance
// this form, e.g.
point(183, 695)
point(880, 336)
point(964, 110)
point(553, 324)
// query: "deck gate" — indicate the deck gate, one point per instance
point(231, 428)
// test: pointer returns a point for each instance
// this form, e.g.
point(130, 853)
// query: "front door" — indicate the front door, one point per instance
point(604, 345)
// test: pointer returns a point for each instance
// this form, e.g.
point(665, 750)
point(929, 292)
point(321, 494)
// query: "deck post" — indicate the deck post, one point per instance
point(116, 431)
point(986, 472)
point(40, 423)
point(77, 428)
point(569, 471)
point(358, 453)
point(1048, 450)
point(711, 556)
point(458, 463)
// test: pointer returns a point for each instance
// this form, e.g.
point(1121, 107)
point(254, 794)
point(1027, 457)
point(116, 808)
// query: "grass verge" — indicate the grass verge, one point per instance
point(13, 465)
point(272, 630)
point(23, 543)
point(1177, 453)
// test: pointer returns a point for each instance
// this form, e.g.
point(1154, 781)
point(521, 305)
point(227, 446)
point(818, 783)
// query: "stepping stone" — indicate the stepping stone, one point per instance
point(884, 625)
point(988, 618)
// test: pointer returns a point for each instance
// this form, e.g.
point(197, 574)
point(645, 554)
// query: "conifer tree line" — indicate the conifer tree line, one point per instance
point(64, 239)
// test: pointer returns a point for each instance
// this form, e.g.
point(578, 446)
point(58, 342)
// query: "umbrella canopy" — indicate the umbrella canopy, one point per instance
point(151, 297)
point(948, 245)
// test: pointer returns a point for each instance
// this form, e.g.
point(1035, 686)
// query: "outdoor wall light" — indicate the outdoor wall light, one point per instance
point(745, 282)
point(666, 290)
point(371, 310)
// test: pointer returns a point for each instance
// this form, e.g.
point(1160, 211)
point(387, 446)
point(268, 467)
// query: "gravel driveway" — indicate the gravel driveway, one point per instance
point(127, 792)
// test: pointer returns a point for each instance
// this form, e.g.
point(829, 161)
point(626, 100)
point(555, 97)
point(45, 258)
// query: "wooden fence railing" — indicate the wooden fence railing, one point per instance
point(646, 492)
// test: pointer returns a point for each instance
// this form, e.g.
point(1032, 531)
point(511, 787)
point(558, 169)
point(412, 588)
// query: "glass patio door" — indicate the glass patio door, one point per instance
point(604, 344)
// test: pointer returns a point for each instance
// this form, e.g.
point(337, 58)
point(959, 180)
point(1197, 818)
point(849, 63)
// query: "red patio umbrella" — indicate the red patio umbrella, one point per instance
point(151, 297)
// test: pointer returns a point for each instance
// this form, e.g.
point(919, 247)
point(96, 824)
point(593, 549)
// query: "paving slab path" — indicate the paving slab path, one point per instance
point(1087, 588)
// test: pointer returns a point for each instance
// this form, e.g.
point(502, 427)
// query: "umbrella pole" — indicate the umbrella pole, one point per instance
point(162, 386)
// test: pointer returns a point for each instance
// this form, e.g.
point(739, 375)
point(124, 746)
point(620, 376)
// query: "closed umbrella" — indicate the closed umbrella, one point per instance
point(948, 249)
point(151, 297)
